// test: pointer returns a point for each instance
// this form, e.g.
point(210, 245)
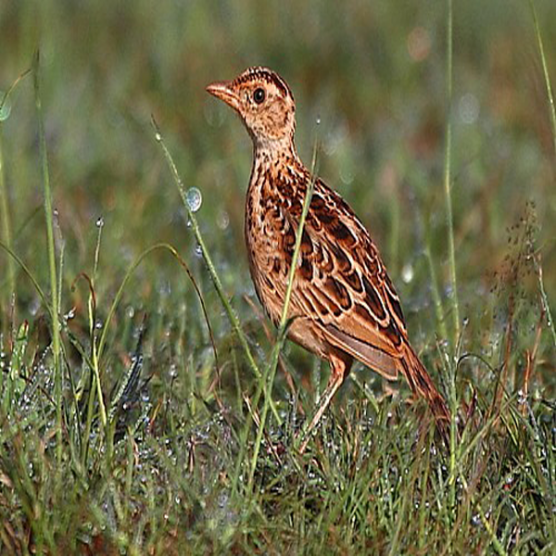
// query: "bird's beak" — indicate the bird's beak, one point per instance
point(224, 91)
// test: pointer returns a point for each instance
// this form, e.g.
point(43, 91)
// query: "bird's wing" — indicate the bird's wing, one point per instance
point(342, 284)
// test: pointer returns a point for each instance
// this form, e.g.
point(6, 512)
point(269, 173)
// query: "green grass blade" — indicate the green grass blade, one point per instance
point(5, 216)
point(544, 299)
point(129, 273)
point(232, 315)
point(546, 75)
point(448, 172)
point(451, 248)
point(6, 220)
point(51, 251)
point(29, 274)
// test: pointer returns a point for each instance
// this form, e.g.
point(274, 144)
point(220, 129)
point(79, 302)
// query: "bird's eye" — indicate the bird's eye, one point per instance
point(259, 95)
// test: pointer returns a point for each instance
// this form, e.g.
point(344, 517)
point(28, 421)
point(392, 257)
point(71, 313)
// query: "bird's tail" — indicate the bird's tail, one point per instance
point(421, 383)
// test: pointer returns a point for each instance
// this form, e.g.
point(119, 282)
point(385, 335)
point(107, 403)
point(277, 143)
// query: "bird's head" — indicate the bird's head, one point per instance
point(265, 104)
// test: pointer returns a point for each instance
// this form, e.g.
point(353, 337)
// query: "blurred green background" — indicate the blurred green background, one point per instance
point(372, 73)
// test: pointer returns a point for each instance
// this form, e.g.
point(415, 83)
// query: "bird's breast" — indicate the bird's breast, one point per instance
point(269, 236)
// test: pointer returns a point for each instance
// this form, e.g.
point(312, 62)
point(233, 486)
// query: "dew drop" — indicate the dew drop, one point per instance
point(223, 220)
point(194, 199)
point(70, 314)
point(158, 137)
point(100, 222)
point(407, 273)
point(318, 120)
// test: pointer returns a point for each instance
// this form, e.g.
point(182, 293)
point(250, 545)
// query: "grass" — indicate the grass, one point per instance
point(147, 406)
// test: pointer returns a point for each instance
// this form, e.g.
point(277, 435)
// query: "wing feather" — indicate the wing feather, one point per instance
point(341, 284)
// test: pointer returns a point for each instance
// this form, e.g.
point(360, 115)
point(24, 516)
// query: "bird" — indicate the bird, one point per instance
point(343, 304)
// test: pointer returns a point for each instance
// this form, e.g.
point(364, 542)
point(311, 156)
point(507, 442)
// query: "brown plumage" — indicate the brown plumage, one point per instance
point(345, 305)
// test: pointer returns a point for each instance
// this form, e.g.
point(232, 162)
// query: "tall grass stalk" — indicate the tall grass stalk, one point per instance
point(95, 356)
point(549, 94)
point(452, 254)
point(51, 252)
point(232, 315)
point(448, 171)
point(270, 372)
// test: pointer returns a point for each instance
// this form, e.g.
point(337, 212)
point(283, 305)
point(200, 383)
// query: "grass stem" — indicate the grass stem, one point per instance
point(5, 216)
point(232, 315)
point(448, 172)
point(451, 251)
point(6, 220)
point(51, 252)
point(546, 75)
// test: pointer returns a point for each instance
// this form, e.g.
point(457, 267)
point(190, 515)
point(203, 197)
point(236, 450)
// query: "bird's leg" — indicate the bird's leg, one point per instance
point(339, 369)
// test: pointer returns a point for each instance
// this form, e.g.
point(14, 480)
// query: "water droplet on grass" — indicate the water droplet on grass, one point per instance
point(194, 199)
point(70, 314)
point(223, 220)
point(407, 273)
point(100, 222)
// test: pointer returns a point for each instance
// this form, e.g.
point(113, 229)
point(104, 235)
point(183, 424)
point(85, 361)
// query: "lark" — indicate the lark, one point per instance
point(343, 304)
